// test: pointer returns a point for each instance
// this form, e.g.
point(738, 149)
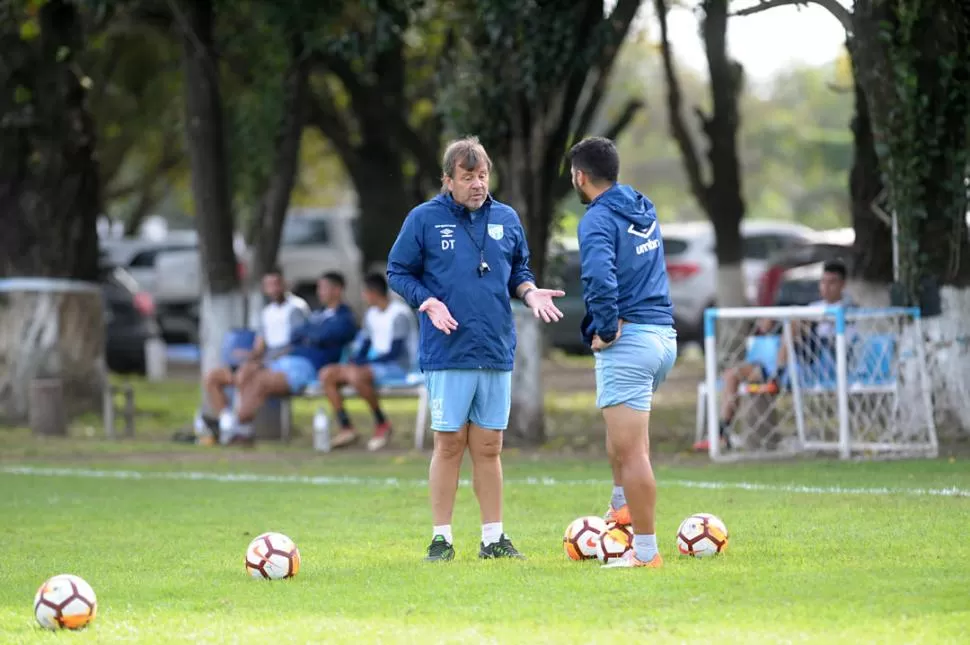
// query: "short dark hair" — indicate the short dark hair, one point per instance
point(375, 282)
point(275, 270)
point(334, 278)
point(597, 157)
point(835, 266)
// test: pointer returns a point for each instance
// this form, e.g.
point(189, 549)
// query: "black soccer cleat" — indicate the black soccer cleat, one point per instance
point(440, 550)
point(501, 549)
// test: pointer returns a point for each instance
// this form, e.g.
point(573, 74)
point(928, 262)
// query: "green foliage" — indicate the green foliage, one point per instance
point(923, 149)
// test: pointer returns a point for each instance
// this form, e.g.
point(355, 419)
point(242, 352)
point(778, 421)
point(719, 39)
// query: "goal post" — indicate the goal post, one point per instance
point(815, 380)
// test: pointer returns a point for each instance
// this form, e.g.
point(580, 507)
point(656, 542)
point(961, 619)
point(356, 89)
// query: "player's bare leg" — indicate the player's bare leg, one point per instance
point(627, 431)
point(332, 378)
point(485, 447)
point(216, 382)
point(449, 449)
point(619, 511)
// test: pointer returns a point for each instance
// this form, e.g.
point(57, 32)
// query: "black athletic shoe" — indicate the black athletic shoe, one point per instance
point(440, 550)
point(501, 549)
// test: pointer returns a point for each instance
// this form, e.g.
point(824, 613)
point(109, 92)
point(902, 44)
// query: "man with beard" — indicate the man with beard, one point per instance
point(629, 326)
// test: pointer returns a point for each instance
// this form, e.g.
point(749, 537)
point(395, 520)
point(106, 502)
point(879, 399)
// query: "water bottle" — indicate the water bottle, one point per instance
point(321, 431)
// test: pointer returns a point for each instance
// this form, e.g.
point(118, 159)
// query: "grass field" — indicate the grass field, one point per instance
point(820, 552)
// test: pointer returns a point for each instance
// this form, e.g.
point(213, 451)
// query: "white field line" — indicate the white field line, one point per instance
point(325, 480)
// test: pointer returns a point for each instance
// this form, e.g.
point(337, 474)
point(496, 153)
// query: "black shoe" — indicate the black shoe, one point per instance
point(440, 550)
point(501, 549)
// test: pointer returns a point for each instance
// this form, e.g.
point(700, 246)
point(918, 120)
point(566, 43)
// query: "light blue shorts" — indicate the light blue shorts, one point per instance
point(456, 397)
point(387, 372)
point(299, 371)
point(632, 369)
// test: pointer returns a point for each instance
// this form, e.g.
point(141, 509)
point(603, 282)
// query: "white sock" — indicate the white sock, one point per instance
point(227, 421)
point(443, 530)
point(619, 498)
point(491, 533)
point(645, 547)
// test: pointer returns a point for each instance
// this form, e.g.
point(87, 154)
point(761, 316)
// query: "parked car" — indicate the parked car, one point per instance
point(137, 256)
point(793, 274)
point(692, 264)
point(313, 241)
point(129, 315)
point(691, 268)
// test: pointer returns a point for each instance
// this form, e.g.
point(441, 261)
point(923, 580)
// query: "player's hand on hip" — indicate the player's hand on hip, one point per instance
point(439, 315)
point(541, 304)
point(599, 344)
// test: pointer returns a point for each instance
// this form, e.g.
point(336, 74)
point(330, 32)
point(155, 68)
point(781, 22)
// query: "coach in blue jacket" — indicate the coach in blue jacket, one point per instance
point(459, 259)
point(629, 325)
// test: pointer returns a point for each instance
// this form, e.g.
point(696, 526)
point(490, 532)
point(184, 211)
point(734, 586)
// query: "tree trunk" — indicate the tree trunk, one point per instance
point(222, 304)
point(917, 84)
point(50, 329)
point(724, 204)
point(383, 209)
point(276, 199)
point(49, 189)
point(527, 425)
point(873, 235)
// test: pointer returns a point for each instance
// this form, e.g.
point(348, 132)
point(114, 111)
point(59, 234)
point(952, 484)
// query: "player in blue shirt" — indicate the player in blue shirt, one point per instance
point(318, 342)
point(629, 326)
point(459, 259)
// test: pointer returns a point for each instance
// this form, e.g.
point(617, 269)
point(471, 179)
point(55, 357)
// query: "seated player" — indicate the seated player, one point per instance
point(384, 354)
point(318, 342)
point(810, 341)
point(283, 313)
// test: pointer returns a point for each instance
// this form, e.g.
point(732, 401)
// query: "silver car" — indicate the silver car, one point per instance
point(692, 264)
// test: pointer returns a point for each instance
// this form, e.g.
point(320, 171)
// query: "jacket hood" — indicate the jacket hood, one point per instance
point(627, 203)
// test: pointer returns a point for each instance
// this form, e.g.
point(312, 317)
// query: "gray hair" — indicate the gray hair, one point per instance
point(466, 153)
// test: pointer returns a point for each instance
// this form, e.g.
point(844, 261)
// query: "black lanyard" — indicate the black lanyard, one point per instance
point(483, 267)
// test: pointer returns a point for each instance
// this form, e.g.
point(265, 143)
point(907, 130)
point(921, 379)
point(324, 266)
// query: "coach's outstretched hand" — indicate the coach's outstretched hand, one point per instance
point(440, 317)
point(541, 304)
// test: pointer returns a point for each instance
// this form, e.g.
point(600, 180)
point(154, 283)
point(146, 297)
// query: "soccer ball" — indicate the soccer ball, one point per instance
point(273, 556)
point(614, 542)
point(581, 537)
point(701, 535)
point(65, 602)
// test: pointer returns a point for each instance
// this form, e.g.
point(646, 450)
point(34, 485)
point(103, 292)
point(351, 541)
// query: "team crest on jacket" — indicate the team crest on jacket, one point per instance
point(496, 231)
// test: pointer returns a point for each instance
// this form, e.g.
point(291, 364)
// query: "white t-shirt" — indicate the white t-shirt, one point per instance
point(279, 319)
point(383, 327)
point(826, 328)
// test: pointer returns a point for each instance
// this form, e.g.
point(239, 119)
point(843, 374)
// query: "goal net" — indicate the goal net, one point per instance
point(781, 381)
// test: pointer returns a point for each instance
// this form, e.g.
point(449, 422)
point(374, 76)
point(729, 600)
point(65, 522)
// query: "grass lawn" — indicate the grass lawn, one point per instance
point(164, 552)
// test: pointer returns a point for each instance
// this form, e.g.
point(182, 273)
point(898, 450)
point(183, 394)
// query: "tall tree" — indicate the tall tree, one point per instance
point(205, 135)
point(913, 65)
point(718, 190)
point(49, 202)
point(50, 194)
point(373, 92)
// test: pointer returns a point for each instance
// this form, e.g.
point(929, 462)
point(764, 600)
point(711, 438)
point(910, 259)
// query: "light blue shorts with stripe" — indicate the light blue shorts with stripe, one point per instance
point(630, 371)
point(456, 397)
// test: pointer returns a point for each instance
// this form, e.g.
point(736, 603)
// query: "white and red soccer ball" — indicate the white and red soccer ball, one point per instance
point(615, 541)
point(702, 535)
point(65, 601)
point(581, 536)
point(272, 556)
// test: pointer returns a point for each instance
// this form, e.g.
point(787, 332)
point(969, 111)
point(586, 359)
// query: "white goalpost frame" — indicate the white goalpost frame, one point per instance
point(845, 445)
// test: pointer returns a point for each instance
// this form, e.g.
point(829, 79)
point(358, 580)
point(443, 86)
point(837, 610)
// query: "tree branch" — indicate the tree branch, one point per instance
point(171, 156)
point(840, 13)
point(323, 114)
point(678, 129)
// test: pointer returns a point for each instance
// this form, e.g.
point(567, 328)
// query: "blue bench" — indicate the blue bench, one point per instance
point(411, 386)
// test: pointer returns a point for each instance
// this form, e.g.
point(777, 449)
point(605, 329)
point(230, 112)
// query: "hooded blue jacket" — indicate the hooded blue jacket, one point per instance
point(623, 269)
point(322, 338)
point(437, 253)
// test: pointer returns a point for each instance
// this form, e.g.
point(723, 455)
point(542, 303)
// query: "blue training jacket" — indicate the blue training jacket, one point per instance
point(322, 338)
point(437, 253)
point(623, 269)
